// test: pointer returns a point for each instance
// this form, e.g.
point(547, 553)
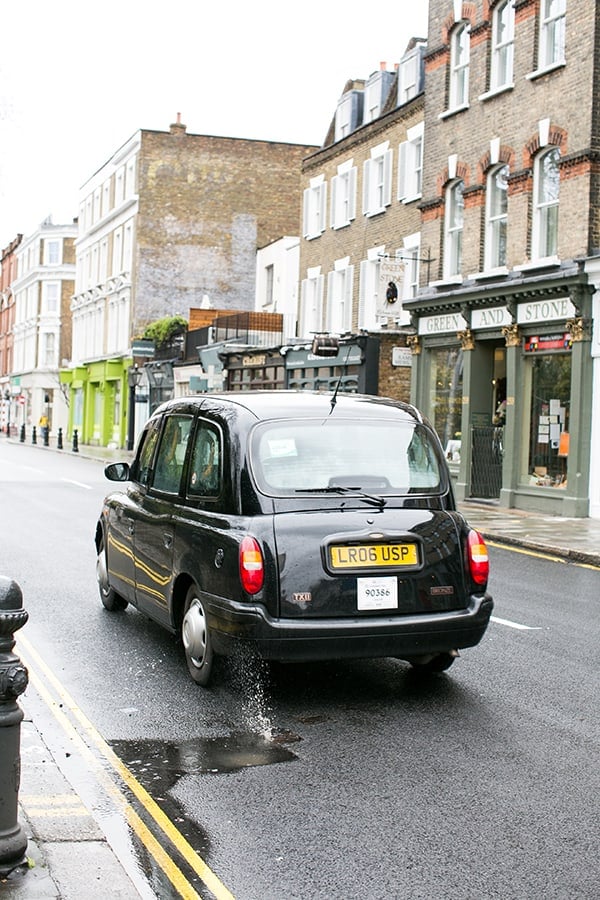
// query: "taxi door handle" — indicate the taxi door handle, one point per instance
point(168, 540)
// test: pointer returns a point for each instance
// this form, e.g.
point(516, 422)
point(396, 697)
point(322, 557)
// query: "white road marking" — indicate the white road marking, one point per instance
point(516, 625)
point(88, 487)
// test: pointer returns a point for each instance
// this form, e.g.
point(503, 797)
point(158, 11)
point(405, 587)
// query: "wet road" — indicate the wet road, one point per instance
point(347, 780)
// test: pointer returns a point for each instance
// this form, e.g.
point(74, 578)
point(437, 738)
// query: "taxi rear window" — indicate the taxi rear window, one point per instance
point(301, 455)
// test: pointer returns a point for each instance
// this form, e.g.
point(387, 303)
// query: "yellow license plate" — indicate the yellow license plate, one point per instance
point(368, 556)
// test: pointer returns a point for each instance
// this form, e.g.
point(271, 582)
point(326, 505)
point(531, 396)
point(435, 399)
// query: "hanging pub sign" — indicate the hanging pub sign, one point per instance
point(547, 343)
point(391, 287)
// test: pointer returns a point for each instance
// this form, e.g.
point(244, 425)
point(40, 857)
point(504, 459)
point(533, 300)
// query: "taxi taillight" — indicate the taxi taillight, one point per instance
point(479, 563)
point(252, 569)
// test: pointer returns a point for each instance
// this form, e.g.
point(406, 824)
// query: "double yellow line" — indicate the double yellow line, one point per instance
point(40, 675)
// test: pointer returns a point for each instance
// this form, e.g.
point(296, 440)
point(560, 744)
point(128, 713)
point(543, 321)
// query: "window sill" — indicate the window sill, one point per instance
point(489, 273)
point(412, 199)
point(494, 92)
point(453, 112)
point(451, 279)
point(546, 70)
point(546, 262)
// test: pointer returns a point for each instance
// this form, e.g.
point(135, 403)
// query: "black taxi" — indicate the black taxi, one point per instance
point(296, 526)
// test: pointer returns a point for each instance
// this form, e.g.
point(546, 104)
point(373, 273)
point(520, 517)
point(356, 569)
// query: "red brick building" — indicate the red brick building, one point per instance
point(503, 356)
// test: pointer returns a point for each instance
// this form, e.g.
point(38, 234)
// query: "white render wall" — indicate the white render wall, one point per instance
point(593, 270)
point(284, 256)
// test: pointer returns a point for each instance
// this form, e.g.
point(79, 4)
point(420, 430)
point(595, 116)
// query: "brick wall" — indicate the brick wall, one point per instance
point(394, 381)
point(206, 204)
point(563, 95)
point(388, 228)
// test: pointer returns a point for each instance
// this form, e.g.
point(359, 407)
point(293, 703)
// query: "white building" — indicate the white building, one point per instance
point(41, 333)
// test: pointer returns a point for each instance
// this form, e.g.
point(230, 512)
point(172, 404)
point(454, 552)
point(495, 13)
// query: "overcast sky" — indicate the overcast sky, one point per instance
point(77, 79)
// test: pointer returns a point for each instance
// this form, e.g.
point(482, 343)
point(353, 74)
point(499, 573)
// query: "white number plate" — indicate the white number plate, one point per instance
point(377, 593)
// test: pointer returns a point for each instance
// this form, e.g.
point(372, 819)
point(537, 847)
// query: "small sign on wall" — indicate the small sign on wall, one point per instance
point(401, 356)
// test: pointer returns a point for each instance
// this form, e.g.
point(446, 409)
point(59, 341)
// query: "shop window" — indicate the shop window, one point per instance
point(446, 390)
point(549, 420)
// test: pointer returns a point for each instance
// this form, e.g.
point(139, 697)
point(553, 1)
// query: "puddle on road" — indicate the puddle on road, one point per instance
point(165, 762)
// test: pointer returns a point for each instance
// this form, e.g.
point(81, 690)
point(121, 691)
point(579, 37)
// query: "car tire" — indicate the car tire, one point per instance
point(439, 663)
point(196, 639)
point(111, 601)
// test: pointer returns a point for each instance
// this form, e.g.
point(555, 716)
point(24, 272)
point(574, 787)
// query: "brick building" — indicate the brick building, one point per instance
point(504, 362)
point(361, 223)
point(8, 273)
point(171, 222)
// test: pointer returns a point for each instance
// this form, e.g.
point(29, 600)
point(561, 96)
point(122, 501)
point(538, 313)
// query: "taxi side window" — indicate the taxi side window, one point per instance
point(171, 454)
point(145, 454)
point(205, 463)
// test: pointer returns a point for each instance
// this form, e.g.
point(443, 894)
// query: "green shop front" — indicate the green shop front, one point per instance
point(505, 375)
point(98, 396)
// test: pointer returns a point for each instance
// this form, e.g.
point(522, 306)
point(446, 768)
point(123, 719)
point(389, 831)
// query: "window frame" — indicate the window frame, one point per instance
point(552, 34)
point(494, 221)
point(314, 208)
point(52, 251)
point(460, 58)
point(340, 283)
point(377, 180)
point(211, 496)
point(546, 211)
point(502, 53)
point(311, 291)
point(343, 196)
point(453, 229)
point(410, 165)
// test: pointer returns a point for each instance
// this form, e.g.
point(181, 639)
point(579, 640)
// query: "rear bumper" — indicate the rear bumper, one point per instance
point(294, 640)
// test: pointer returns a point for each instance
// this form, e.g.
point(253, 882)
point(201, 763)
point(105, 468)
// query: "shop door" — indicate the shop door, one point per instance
point(487, 433)
point(487, 450)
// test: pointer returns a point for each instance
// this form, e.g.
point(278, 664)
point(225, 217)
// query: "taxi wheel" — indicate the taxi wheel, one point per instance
point(439, 663)
point(195, 635)
point(110, 599)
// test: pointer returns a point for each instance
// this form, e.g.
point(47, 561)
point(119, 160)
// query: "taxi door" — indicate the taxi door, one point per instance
point(154, 527)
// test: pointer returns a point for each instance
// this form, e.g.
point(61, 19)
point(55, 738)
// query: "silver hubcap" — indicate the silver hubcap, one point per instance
point(101, 573)
point(193, 633)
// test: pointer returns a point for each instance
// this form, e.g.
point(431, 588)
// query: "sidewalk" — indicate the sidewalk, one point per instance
point(574, 539)
point(68, 856)
point(71, 855)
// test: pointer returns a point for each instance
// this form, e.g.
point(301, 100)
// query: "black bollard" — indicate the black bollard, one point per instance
point(33, 435)
point(46, 436)
point(75, 442)
point(13, 681)
point(59, 441)
point(22, 435)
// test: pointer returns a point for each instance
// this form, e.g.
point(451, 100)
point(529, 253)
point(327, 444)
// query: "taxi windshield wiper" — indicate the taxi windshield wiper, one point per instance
point(345, 489)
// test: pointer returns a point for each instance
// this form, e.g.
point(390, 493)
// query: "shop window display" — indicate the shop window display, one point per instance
point(549, 420)
point(445, 402)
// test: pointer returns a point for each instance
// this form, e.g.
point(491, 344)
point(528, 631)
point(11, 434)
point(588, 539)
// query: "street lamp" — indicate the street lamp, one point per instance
point(134, 376)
